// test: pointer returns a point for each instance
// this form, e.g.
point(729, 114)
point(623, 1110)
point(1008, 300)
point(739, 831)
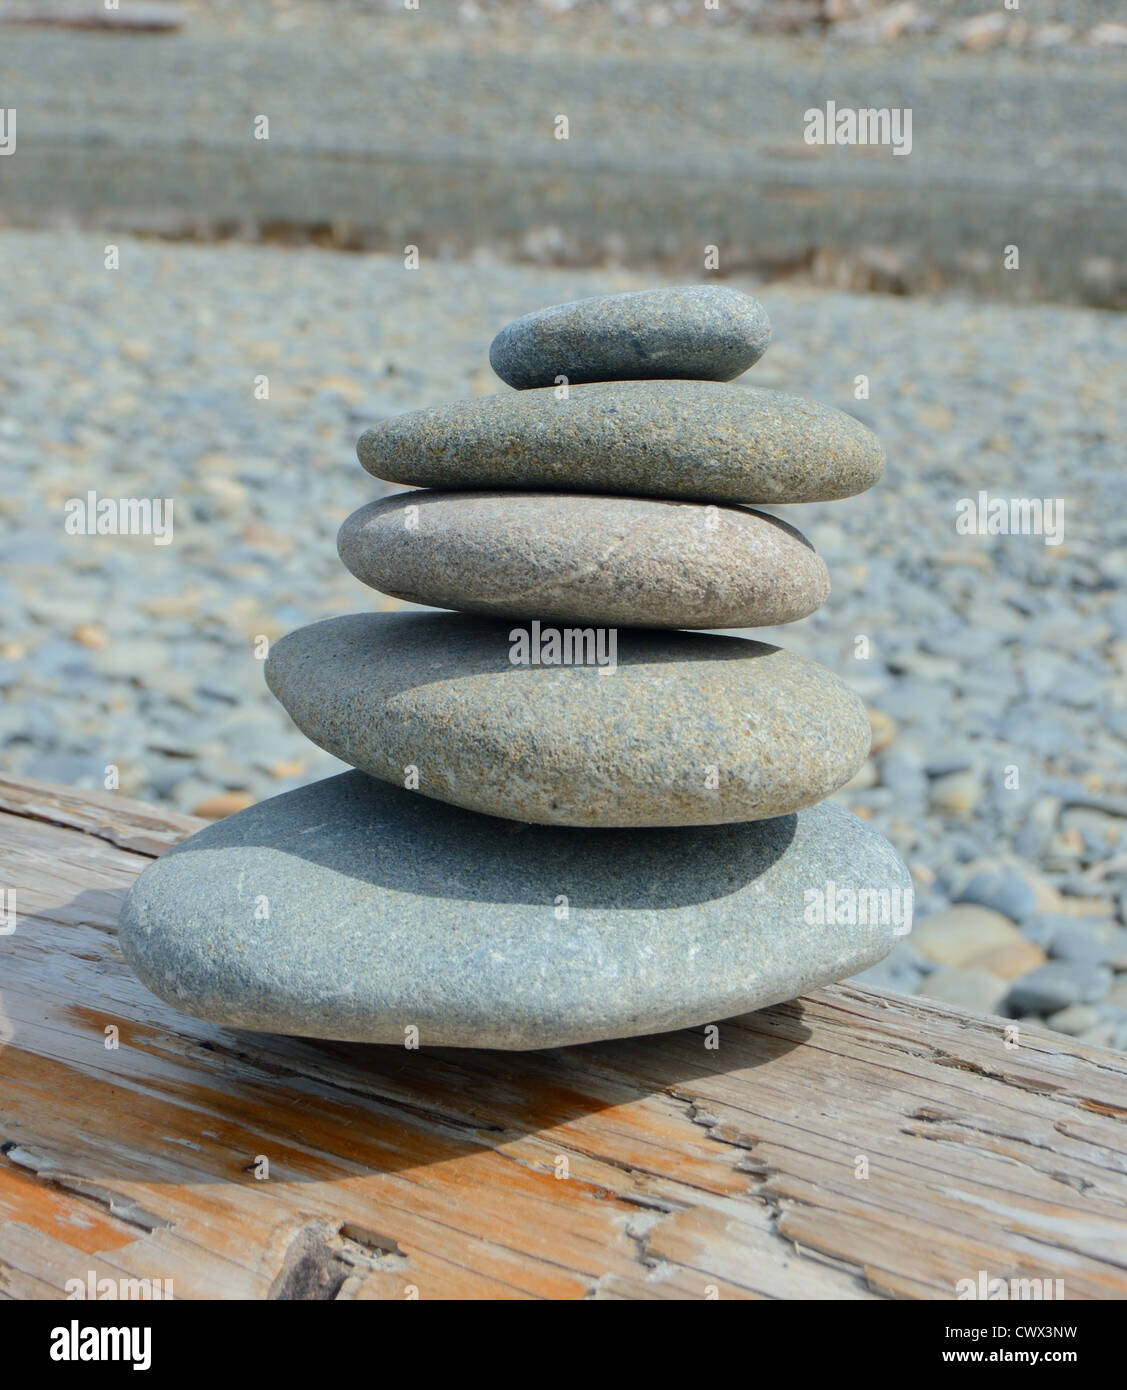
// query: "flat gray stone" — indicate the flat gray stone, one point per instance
point(707, 332)
point(701, 440)
point(585, 558)
point(690, 729)
point(388, 912)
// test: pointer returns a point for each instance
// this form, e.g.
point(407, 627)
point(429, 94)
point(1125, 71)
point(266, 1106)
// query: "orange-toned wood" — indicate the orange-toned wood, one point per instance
point(650, 1168)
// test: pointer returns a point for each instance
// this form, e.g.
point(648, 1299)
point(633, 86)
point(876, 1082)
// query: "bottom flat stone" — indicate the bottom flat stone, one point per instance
point(355, 910)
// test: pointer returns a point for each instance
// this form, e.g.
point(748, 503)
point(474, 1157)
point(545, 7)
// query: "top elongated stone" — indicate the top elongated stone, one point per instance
point(693, 439)
point(705, 332)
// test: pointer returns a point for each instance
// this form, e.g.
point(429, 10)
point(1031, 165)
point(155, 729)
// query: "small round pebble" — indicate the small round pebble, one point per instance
point(1074, 1020)
point(705, 332)
point(1006, 891)
point(971, 988)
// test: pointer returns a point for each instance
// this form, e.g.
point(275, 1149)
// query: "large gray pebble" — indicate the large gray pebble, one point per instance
point(351, 909)
point(690, 729)
point(581, 557)
point(692, 439)
point(709, 332)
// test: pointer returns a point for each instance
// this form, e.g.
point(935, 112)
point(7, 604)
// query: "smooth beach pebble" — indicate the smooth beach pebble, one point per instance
point(390, 912)
point(706, 332)
point(687, 729)
point(701, 440)
point(582, 557)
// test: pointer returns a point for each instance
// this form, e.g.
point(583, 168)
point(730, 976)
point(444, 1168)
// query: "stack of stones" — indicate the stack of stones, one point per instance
point(571, 819)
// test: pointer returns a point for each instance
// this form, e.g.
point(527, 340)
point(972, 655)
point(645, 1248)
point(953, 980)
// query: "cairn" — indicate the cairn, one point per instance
point(573, 816)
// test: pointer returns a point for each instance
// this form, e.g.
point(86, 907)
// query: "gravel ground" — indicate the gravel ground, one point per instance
point(995, 669)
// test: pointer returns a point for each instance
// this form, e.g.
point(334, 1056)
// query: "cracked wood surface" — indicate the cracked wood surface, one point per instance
point(650, 1168)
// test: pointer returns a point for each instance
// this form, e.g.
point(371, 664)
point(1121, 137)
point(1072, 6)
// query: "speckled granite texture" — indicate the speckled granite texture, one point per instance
point(707, 332)
point(693, 439)
point(691, 729)
point(355, 910)
point(581, 557)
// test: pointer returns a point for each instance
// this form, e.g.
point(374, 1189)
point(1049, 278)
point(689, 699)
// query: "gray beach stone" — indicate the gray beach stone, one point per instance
point(1042, 927)
point(1087, 942)
point(958, 935)
point(1005, 890)
point(1075, 1019)
point(690, 729)
point(901, 970)
point(969, 988)
point(1057, 986)
point(582, 557)
point(701, 440)
point(707, 332)
point(387, 911)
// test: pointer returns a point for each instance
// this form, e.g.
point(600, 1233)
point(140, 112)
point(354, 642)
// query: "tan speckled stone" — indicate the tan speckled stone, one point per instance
point(578, 557)
point(690, 729)
point(693, 439)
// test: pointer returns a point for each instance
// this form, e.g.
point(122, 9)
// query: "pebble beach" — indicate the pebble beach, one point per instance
point(234, 380)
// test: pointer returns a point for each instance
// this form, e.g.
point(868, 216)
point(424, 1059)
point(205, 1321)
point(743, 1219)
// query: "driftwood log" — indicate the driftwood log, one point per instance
point(850, 1144)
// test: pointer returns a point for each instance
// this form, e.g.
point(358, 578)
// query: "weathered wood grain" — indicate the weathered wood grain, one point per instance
point(126, 823)
point(652, 1168)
